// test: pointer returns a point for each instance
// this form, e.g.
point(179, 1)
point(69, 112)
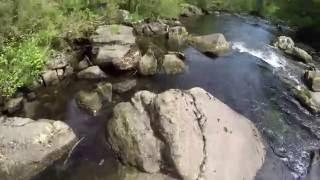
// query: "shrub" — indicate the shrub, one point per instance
point(20, 65)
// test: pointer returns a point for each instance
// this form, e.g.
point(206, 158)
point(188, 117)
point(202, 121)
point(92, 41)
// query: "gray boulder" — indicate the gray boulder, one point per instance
point(58, 61)
point(284, 43)
point(89, 101)
point(108, 53)
point(215, 44)
point(177, 37)
point(186, 131)
point(28, 147)
point(151, 29)
point(114, 34)
point(148, 65)
point(13, 105)
point(172, 64)
point(50, 77)
point(124, 86)
point(105, 91)
point(129, 61)
point(93, 72)
point(191, 10)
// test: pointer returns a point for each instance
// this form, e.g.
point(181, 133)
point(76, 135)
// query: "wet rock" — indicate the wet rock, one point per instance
point(215, 44)
point(89, 101)
point(172, 64)
point(302, 55)
point(284, 43)
point(148, 64)
point(105, 91)
point(31, 96)
point(287, 45)
point(129, 61)
point(28, 147)
point(177, 36)
point(308, 99)
point(13, 105)
point(58, 61)
point(107, 53)
point(313, 80)
point(50, 77)
point(124, 86)
point(183, 127)
point(93, 72)
point(191, 10)
point(114, 34)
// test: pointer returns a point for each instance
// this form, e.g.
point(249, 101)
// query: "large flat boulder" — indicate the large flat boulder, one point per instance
point(313, 80)
point(27, 147)
point(196, 135)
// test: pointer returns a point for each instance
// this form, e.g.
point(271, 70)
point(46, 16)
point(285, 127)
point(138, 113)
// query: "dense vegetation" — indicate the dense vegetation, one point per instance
point(31, 29)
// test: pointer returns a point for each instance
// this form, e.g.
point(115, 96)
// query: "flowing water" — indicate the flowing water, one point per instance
point(252, 80)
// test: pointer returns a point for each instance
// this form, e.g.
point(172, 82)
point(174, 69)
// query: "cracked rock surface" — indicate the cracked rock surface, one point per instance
point(27, 147)
point(188, 134)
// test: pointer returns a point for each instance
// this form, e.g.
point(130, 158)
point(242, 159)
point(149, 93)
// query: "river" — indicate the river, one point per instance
point(252, 80)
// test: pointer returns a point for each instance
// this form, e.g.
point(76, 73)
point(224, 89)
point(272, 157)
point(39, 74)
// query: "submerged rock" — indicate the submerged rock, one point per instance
point(114, 34)
point(13, 105)
point(191, 10)
point(124, 86)
point(105, 91)
point(148, 65)
point(89, 101)
point(93, 72)
point(172, 64)
point(194, 135)
point(215, 44)
point(29, 147)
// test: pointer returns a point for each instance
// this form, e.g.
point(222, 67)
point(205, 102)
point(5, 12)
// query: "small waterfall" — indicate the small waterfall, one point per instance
point(267, 54)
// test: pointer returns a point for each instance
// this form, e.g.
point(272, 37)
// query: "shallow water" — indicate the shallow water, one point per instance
point(250, 80)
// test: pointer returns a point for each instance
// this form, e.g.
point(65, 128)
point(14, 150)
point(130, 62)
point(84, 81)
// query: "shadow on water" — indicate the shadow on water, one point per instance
point(248, 82)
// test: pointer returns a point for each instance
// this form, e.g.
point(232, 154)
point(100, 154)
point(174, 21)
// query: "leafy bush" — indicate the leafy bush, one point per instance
point(20, 65)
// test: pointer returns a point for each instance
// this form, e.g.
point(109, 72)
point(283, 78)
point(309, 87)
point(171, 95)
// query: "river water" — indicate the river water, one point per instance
point(252, 80)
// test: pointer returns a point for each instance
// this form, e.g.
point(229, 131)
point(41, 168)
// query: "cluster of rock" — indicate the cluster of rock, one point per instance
point(189, 134)
point(27, 147)
point(287, 45)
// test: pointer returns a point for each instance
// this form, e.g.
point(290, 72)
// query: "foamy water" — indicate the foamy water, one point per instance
point(267, 54)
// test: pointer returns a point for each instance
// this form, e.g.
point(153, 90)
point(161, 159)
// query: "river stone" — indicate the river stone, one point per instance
point(50, 77)
point(190, 10)
point(199, 136)
point(107, 54)
point(173, 65)
point(129, 61)
point(308, 99)
point(301, 55)
point(151, 29)
point(313, 80)
point(105, 91)
point(83, 64)
point(124, 86)
point(215, 44)
point(93, 72)
point(14, 105)
point(284, 43)
point(89, 101)
point(29, 147)
point(148, 64)
point(114, 34)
